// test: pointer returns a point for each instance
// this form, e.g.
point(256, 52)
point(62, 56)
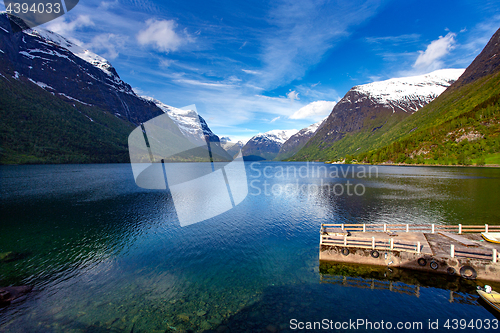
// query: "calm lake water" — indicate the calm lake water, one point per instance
point(104, 255)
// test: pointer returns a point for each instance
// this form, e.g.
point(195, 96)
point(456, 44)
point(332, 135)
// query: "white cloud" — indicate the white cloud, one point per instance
point(303, 31)
point(293, 95)
point(166, 63)
point(202, 83)
point(274, 119)
point(110, 44)
point(430, 59)
point(314, 110)
point(394, 40)
point(161, 34)
point(248, 71)
point(64, 28)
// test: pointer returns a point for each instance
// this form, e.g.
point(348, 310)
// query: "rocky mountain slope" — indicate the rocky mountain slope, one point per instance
point(266, 146)
point(461, 126)
point(61, 103)
point(297, 141)
point(367, 111)
point(192, 126)
point(233, 148)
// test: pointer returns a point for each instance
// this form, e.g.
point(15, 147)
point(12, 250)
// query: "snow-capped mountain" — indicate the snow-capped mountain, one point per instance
point(407, 94)
point(298, 140)
point(194, 128)
point(233, 148)
point(375, 107)
point(68, 71)
point(190, 123)
point(266, 146)
point(49, 72)
point(226, 141)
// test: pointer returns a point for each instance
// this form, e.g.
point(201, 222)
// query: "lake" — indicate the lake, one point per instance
point(104, 255)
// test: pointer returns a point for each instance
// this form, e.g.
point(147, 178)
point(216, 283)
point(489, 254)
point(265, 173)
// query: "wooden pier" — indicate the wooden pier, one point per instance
point(446, 249)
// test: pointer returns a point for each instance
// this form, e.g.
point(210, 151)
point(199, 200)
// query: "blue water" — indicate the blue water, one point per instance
point(104, 255)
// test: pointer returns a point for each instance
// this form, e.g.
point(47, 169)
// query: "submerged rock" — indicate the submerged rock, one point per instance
point(183, 317)
point(11, 256)
point(8, 294)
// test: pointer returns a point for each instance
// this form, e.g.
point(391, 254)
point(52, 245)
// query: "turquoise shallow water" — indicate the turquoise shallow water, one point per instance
point(104, 255)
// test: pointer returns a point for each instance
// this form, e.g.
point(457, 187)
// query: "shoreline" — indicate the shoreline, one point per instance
point(267, 161)
point(424, 165)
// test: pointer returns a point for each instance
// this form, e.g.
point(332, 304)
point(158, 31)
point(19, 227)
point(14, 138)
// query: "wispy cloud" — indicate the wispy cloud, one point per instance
point(303, 32)
point(315, 110)
point(430, 59)
point(65, 27)
point(162, 35)
point(477, 37)
point(292, 95)
point(274, 119)
point(394, 40)
point(248, 71)
point(205, 84)
point(109, 45)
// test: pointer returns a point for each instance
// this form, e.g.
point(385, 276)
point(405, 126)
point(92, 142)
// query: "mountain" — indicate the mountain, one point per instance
point(190, 123)
point(297, 141)
point(69, 71)
point(461, 126)
point(366, 112)
point(233, 148)
point(192, 126)
point(266, 146)
point(61, 103)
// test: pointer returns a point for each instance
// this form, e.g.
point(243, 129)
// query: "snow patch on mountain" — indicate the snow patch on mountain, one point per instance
point(74, 99)
point(41, 84)
point(227, 143)
point(190, 123)
point(82, 53)
point(408, 93)
point(311, 129)
point(278, 136)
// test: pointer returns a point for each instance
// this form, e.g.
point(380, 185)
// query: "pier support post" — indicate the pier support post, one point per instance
point(433, 228)
point(418, 247)
point(485, 228)
point(459, 229)
point(373, 243)
point(364, 227)
point(407, 228)
point(345, 240)
point(392, 243)
point(495, 256)
point(385, 227)
point(452, 251)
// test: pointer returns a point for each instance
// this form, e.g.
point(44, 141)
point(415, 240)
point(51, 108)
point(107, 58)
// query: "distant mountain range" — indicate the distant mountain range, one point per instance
point(291, 146)
point(461, 126)
point(61, 103)
point(366, 112)
point(233, 148)
point(266, 146)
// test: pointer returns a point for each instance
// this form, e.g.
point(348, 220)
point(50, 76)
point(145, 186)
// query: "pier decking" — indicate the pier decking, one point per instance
point(452, 250)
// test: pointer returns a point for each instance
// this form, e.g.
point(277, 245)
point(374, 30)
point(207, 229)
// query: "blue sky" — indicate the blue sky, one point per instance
point(255, 66)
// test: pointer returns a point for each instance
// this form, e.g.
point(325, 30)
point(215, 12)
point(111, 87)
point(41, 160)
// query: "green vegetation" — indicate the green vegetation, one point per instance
point(37, 127)
point(371, 135)
point(461, 126)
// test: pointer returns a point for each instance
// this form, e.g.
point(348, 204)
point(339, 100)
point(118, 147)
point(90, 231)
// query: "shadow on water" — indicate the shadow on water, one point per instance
point(282, 308)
